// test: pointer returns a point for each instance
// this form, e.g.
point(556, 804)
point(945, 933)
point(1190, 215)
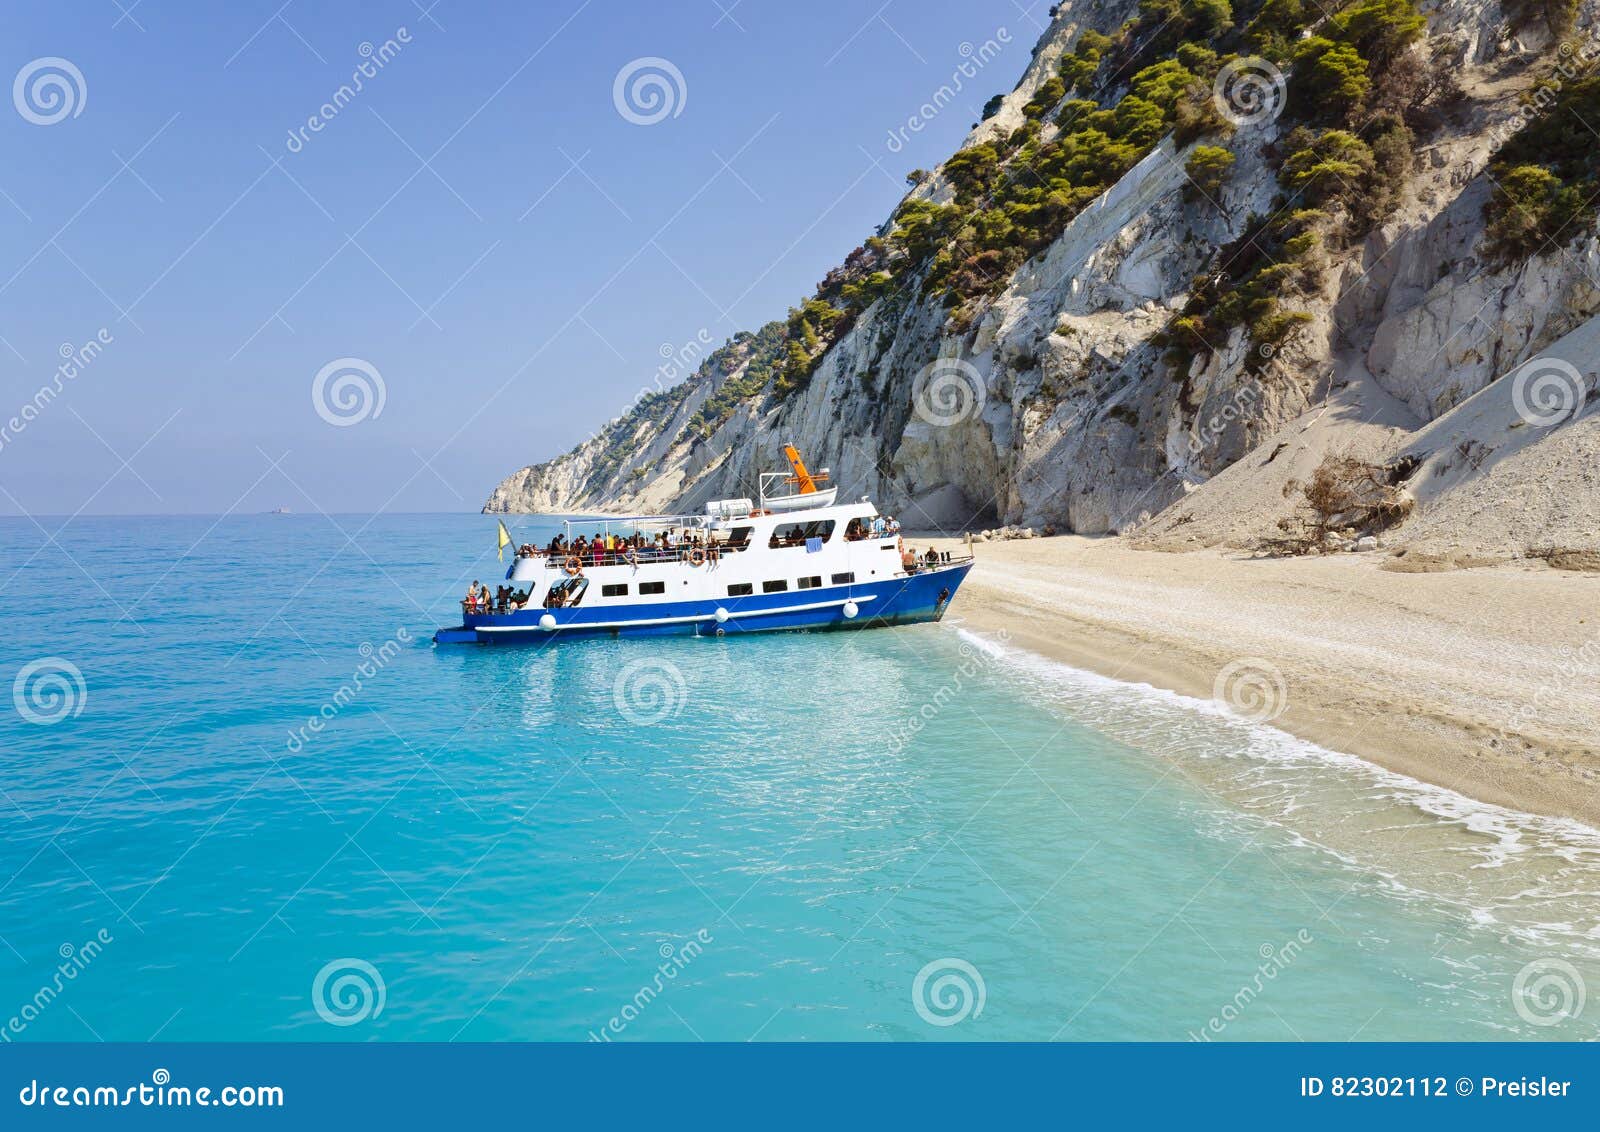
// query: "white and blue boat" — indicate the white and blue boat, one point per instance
point(800, 560)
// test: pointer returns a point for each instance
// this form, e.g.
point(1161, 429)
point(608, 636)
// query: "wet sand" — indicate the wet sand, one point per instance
point(1483, 681)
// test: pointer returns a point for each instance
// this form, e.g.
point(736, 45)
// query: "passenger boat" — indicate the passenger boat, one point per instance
point(799, 560)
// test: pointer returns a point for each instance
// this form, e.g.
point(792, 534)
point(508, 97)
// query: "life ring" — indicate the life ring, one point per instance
point(574, 566)
point(697, 556)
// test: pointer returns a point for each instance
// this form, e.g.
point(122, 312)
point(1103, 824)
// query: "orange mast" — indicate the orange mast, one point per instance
point(808, 483)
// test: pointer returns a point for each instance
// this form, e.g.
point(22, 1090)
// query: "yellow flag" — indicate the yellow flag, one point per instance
point(505, 541)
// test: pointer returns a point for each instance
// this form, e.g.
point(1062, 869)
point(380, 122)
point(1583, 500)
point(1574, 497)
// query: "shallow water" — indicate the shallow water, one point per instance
point(681, 839)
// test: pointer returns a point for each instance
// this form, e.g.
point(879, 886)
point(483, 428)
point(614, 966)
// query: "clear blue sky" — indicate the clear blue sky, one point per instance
point(510, 299)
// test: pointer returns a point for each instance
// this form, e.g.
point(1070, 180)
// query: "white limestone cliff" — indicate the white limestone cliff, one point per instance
point(1078, 426)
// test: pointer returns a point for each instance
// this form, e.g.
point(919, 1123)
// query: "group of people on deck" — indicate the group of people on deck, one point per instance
point(504, 599)
point(607, 549)
point(911, 561)
point(879, 526)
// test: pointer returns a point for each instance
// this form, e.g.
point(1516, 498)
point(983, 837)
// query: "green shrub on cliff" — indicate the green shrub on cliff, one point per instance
point(1546, 176)
point(1329, 82)
point(1276, 27)
point(1531, 208)
point(1555, 16)
point(1327, 166)
point(1208, 167)
point(1379, 29)
point(1079, 67)
point(1107, 104)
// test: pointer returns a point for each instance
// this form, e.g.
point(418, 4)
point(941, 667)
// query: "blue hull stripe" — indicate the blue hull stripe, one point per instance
point(861, 600)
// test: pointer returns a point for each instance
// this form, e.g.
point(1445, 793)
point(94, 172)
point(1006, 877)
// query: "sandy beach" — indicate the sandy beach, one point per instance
point(1478, 680)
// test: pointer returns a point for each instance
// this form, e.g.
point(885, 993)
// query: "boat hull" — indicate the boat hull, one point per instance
point(924, 596)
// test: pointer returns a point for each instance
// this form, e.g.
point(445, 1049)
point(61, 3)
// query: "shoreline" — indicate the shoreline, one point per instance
point(1479, 681)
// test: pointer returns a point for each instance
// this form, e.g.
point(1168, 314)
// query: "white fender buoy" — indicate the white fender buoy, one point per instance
point(722, 615)
point(851, 609)
point(547, 622)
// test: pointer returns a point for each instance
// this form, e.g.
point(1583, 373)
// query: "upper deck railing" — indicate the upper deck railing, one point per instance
point(589, 556)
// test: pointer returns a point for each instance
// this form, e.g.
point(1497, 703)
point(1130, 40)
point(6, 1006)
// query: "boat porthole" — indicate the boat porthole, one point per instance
point(721, 631)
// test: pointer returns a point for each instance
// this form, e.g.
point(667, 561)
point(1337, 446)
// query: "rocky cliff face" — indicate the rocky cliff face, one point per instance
point(1055, 396)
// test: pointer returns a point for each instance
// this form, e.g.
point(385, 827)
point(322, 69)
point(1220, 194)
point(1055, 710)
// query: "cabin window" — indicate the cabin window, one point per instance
point(618, 590)
point(741, 589)
point(811, 583)
point(652, 588)
point(843, 579)
point(777, 587)
point(739, 538)
point(566, 593)
point(796, 534)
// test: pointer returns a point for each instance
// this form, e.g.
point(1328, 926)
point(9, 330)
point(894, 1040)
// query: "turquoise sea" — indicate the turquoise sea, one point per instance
point(912, 833)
